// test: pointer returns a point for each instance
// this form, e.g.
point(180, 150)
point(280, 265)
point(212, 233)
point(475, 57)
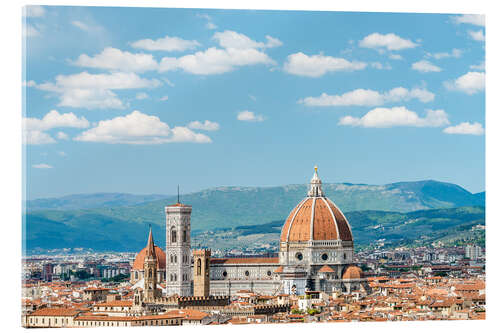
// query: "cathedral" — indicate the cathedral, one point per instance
point(315, 254)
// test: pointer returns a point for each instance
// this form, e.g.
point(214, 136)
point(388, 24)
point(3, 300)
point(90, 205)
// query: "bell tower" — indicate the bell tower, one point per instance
point(150, 271)
point(201, 272)
point(178, 249)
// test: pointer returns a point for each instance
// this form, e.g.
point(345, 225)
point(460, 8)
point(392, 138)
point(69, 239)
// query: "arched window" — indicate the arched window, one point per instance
point(150, 273)
point(171, 277)
point(175, 277)
point(173, 236)
point(175, 258)
point(184, 236)
point(207, 265)
point(198, 267)
point(136, 275)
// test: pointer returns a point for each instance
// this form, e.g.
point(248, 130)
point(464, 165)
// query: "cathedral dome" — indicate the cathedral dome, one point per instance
point(160, 257)
point(316, 218)
point(352, 272)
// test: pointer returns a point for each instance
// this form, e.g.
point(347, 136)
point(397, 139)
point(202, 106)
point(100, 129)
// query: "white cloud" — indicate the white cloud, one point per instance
point(139, 128)
point(35, 137)
point(33, 11)
point(378, 65)
point(61, 153)
point(455, 53)
point(470, 19)
point(34, 128)
point(215, 61)
point(166, 43)
point(164, 98)
point(141, 95)
point(249, 116)
point(115, 59)
point(469, 83)
point(318, 65)
point(465, 128)
point(425, 66)
point(232, 39)
point(30, 31)
point(397, 116)
point(391, 42)
point(395, 57)
point(54, 119)
point(206, 126)
point(477, 35)
point(80, 25)
point(94, 91)
point(210, 26)
point(62, 136)
point(42, 166)
point(367, 97)
point(479, 67)
point(29, 83)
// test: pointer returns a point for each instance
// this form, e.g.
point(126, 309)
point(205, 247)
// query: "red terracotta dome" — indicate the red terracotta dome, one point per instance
point(316, 218)
point(160, 257)
point(352, 272)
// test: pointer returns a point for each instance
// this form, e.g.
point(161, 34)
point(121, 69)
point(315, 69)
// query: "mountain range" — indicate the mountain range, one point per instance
point(118, 221)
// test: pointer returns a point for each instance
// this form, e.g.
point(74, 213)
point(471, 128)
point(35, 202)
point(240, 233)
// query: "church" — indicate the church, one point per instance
point(315, 254)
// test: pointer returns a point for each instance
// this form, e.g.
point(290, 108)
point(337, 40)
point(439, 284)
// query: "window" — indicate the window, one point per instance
point(184, 236)
point(247, 273)
point(136, 275)
point(299, 256)
point(175, 258)
point(150, 273)
point(175, 277)
point(198, 267)
point(268, 273)
point(224, 274)
point(173, 236)
point(324, 256)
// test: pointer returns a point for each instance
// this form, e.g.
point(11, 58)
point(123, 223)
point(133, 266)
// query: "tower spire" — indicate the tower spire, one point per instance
point(151, 244)
point(315, 189)
point(178, 195)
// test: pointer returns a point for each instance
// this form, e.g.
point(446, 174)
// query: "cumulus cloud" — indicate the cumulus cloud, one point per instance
point(34, 128)
point(35, 137)
point(141, 95)
point(54, 119)
point(166, 43)
point(80, 25)
point(473, 19)
point(390, 42)
point(478, 67)
point(367, 97)
point(33, 11)
point(397, 116)
point(62, 136)
point(215, 61)
point(232, 39)
point(378, 65)
point(206, 126)
point(395, 57)
point(469, 83)
point(455, 53)
point(139, 128)
point(477, 35)
point(115, 59)
point(249, 116)
point(29, 83)
point(465, 128)
point(318, 65)
point(425, 66)
point(164, 98)
point(94, 91)
point(42, 166)
point(210, 25)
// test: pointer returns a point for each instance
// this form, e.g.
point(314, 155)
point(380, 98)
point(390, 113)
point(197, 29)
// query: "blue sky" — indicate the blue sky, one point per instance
point(140, 100)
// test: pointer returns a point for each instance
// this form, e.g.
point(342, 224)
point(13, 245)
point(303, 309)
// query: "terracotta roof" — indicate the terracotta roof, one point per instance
point(244, 260)
point(160, 257)
point(189, 314)
point(352, 272)
point(122, 303)
point(328, 222)
point(279, 270)
point(178, 204)
point(326, 269)
point(56, 312)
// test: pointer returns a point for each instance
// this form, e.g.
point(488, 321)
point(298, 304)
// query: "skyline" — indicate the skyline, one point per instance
point(384, 98)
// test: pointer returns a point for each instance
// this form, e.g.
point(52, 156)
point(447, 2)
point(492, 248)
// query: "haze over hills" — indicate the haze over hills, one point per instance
point(118, 219)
